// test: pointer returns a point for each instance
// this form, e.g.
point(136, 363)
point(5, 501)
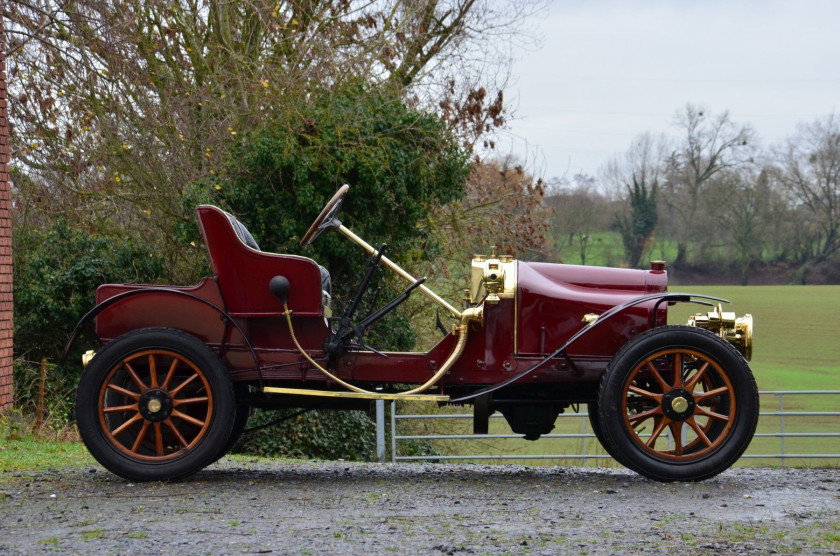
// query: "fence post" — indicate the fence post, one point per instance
point(583, 428)
point(782, 424)
point(380, 430)
point(39, 411)
point(393, 432)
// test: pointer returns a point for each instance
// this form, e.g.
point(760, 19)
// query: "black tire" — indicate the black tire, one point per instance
point(155, 404)
point(240, 420)
point(709, 407)
point(594, 416)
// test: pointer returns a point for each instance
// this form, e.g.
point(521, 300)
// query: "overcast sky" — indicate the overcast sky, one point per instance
point(608, 70)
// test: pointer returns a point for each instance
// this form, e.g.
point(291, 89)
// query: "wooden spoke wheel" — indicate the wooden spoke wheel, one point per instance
point(678, 403)
point(155, 404)
point(155, 414)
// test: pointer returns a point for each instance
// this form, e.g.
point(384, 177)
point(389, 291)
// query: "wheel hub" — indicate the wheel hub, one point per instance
point(155, 405)
point(678, 404)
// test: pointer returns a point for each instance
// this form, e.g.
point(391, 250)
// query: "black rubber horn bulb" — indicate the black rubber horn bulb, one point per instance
point(279, 286)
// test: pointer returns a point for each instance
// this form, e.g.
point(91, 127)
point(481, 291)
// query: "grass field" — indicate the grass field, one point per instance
point(606, 249)
point(796, 348)
point(797, 345)
point(22, 450)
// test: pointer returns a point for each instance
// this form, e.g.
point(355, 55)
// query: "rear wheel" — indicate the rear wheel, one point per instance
point(678, 403)
point(155, 404)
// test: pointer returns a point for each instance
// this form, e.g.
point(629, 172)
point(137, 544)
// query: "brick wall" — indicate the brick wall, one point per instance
point(6, 324)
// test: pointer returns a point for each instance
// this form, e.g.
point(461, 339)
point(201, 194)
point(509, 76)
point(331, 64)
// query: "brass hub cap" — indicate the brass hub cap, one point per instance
point(678, 404)
point(155, 405)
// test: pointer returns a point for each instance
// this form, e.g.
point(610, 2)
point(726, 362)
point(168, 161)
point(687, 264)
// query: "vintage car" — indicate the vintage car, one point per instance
point(178, 369)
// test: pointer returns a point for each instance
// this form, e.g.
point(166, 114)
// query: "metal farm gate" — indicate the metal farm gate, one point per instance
point(795, 425)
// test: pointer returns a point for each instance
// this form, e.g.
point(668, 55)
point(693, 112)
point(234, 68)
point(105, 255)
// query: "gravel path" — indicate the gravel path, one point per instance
point(243, 506)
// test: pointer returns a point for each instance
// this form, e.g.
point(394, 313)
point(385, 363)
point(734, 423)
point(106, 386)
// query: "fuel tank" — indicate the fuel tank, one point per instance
point(553, 301)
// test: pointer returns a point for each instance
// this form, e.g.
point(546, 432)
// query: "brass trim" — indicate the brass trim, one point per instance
point(679, 404)
point(461, 330)
point(355, 395)
point(492, 278)
point(736, 330)
point(396, 268)
point(515, 307)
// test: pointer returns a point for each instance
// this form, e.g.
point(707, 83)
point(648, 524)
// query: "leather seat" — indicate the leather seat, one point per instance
point(245, 236)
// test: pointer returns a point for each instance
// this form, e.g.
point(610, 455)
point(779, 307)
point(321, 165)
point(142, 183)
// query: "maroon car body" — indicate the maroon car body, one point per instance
point(539, 337)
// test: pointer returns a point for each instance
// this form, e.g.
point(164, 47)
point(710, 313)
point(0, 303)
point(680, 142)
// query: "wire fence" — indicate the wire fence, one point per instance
point(800, 426)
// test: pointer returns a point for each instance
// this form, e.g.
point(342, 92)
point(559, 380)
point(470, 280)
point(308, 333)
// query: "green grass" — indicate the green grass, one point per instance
point(606, 249)
point(796, 332)
point(22, 450)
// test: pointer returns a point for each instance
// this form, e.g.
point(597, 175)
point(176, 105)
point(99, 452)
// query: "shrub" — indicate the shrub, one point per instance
point(322, 434)
point(56, 272)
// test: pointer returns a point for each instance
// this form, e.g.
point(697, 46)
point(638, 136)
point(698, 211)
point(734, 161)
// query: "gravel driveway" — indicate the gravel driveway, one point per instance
point(243, 506)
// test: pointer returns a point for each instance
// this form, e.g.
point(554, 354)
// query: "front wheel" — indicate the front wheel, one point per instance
point(155, 404)
point(678, 403)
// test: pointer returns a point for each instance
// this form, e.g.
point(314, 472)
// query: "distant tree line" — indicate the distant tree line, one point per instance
point(715, 197)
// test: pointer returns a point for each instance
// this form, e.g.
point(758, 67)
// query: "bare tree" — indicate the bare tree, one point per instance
point(809, 172)
point(579, 211)
point(710, 145)
point(634, 178)
point(740, 203)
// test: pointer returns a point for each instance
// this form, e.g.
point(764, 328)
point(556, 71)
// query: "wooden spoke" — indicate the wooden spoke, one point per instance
point(121, 408)
point(152, 371)
point(663, 422)
point(638, 417)
point(700, 434)
point(678, 378)
point(676, 434)
point(176, 425)
point(176, 432)
point(170, 374)
point(135, 377)
point(174, 392)
point(692, 382)
point(202, 399)
point(158, 440)
point(701, 397)
point(140, 436)
point(187, 418)
point(662, 384)
point(712, 414)
point(636, 390)
point(122, 428)
point(124, 392)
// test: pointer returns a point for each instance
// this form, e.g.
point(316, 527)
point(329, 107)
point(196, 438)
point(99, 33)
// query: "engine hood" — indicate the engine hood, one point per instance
point(552, 300)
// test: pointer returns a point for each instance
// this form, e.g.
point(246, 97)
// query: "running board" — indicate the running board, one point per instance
point(355, 395)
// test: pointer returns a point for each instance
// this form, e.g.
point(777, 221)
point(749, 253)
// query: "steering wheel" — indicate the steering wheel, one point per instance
point(328, 219)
